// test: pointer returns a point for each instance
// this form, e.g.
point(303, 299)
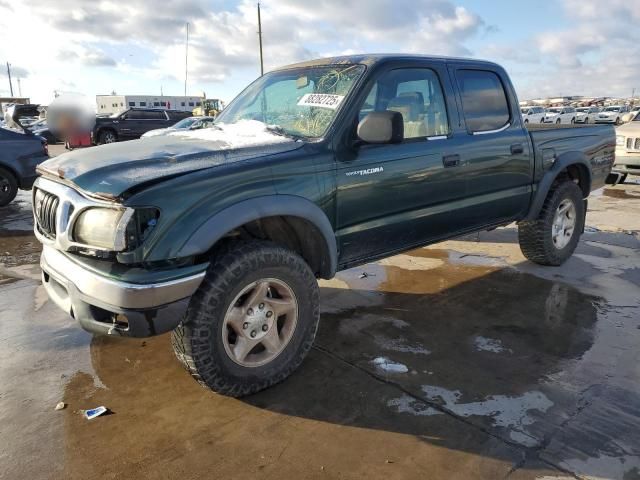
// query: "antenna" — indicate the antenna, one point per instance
point(186, 61)
point(260, 40)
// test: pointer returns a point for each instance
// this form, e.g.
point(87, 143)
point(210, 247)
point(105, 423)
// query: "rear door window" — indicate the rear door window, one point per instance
point(484, 100)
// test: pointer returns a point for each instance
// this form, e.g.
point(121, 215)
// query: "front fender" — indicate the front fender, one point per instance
point(255, 208)
point(546, 182)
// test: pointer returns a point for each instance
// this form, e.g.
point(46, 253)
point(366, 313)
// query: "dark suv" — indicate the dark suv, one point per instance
point(132, 123)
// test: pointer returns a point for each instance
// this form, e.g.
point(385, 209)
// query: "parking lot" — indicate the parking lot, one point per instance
point(459, 360)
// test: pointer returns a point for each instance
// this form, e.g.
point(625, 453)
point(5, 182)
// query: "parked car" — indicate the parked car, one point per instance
point(41, 128)
point(586, 114)
point(20, 152)
point(560, 115)
point(628, 148)
point(133, 122)
point(190, 123)
point(350, 160)
point(533, 114)
point(612, 114)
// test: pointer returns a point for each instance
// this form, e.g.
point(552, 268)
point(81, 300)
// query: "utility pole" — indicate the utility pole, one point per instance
point(186, 61)
point(260, 40)
point(9, 75)
point(19, 88)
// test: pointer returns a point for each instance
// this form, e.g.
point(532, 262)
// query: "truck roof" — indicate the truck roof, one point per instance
point(374, 58)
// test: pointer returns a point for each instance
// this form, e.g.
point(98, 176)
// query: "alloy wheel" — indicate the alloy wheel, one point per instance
point(260, 322)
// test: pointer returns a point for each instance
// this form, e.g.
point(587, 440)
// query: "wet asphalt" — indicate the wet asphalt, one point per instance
point(461, 360)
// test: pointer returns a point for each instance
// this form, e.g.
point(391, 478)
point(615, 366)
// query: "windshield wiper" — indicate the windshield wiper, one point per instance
point(278, 130)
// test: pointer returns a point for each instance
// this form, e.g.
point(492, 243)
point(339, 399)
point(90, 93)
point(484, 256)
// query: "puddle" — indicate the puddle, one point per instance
point(511, 412)
point(484, 344)
point(621, 193)
point(408, 404)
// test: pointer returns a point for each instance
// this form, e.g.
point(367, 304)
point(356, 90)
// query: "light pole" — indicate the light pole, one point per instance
point(260, 40)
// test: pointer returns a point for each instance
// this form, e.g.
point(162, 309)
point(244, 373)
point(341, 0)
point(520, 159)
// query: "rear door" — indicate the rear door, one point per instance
point(395, 196)
point(495, 149)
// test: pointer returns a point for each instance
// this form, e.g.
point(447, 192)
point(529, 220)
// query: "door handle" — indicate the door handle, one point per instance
point(517, 148)
point(451, 160)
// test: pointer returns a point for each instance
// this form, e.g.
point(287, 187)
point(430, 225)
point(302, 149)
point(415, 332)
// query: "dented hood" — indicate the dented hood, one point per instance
point(110, 170)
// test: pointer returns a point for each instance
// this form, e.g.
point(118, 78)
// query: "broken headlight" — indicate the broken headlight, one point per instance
point(113, 229)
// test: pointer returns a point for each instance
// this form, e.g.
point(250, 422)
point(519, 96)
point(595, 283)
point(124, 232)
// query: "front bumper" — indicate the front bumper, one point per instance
point(106, 306)
point(630, 164)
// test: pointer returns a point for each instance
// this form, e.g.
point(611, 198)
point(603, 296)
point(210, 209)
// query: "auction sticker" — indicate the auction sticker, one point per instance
point(324, 100)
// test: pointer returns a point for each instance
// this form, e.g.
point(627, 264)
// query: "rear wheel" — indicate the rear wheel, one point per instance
point(552, 238)
point(573, 120)
point(107, 136)
point(8, 187)
point(251, 322)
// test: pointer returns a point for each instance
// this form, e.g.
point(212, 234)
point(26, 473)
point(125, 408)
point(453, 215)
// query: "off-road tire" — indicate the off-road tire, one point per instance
point(197, 341)
point(534, 236)
point(8, 187)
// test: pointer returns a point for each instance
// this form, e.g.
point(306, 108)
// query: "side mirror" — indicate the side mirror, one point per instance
point(381, 127)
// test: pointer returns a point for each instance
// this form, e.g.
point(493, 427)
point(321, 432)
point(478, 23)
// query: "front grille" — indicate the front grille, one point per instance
point(633, 143)
point(46, 212)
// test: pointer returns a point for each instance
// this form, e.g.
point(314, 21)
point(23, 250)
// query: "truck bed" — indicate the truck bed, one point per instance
point(594, 142)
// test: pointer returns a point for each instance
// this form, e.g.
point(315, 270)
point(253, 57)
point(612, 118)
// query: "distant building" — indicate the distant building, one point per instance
point(110, 104)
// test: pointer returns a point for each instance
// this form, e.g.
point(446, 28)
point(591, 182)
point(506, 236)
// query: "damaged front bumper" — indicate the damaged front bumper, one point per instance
point(103, 305)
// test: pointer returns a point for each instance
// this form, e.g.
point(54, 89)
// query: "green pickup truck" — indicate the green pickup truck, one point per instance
point(220, 234)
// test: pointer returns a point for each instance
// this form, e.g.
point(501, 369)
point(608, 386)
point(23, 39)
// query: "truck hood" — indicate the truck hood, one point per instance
point(108, 171)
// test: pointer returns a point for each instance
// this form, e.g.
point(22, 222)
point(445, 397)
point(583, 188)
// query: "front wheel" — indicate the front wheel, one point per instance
point(552, 238)
point(618, 121)
point(251, 322)
point(558, 122)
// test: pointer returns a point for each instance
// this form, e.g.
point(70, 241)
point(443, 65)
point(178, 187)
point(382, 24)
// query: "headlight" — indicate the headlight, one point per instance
point(103, 228)
point(620, 140)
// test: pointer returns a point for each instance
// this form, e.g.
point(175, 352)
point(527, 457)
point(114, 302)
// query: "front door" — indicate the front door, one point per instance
point(394, 196)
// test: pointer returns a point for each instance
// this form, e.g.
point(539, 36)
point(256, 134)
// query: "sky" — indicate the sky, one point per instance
point(549, 47)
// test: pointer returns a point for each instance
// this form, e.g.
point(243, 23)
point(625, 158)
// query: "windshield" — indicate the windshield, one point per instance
point(185, 123)
point(553, 110)
point(301, 102)
point(612, 109)
point(583, 110)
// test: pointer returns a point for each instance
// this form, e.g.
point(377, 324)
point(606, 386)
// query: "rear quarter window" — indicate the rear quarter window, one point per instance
point(484, 100)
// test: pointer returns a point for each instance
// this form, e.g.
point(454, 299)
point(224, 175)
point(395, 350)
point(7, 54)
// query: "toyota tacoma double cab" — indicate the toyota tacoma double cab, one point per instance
point(220, 234)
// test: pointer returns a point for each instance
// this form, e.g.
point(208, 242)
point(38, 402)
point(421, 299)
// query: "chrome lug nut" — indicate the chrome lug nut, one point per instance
point(245, 325)
point(261, 306)
point(253, 334)
point(250, 311)
point(269, 314)
point(265, 327)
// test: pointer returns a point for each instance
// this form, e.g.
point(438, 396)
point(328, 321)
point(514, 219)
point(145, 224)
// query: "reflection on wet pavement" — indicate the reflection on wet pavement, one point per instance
point(455, 361)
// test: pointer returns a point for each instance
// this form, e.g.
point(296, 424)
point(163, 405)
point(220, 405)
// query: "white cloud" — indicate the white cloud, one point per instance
point(100, 45)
